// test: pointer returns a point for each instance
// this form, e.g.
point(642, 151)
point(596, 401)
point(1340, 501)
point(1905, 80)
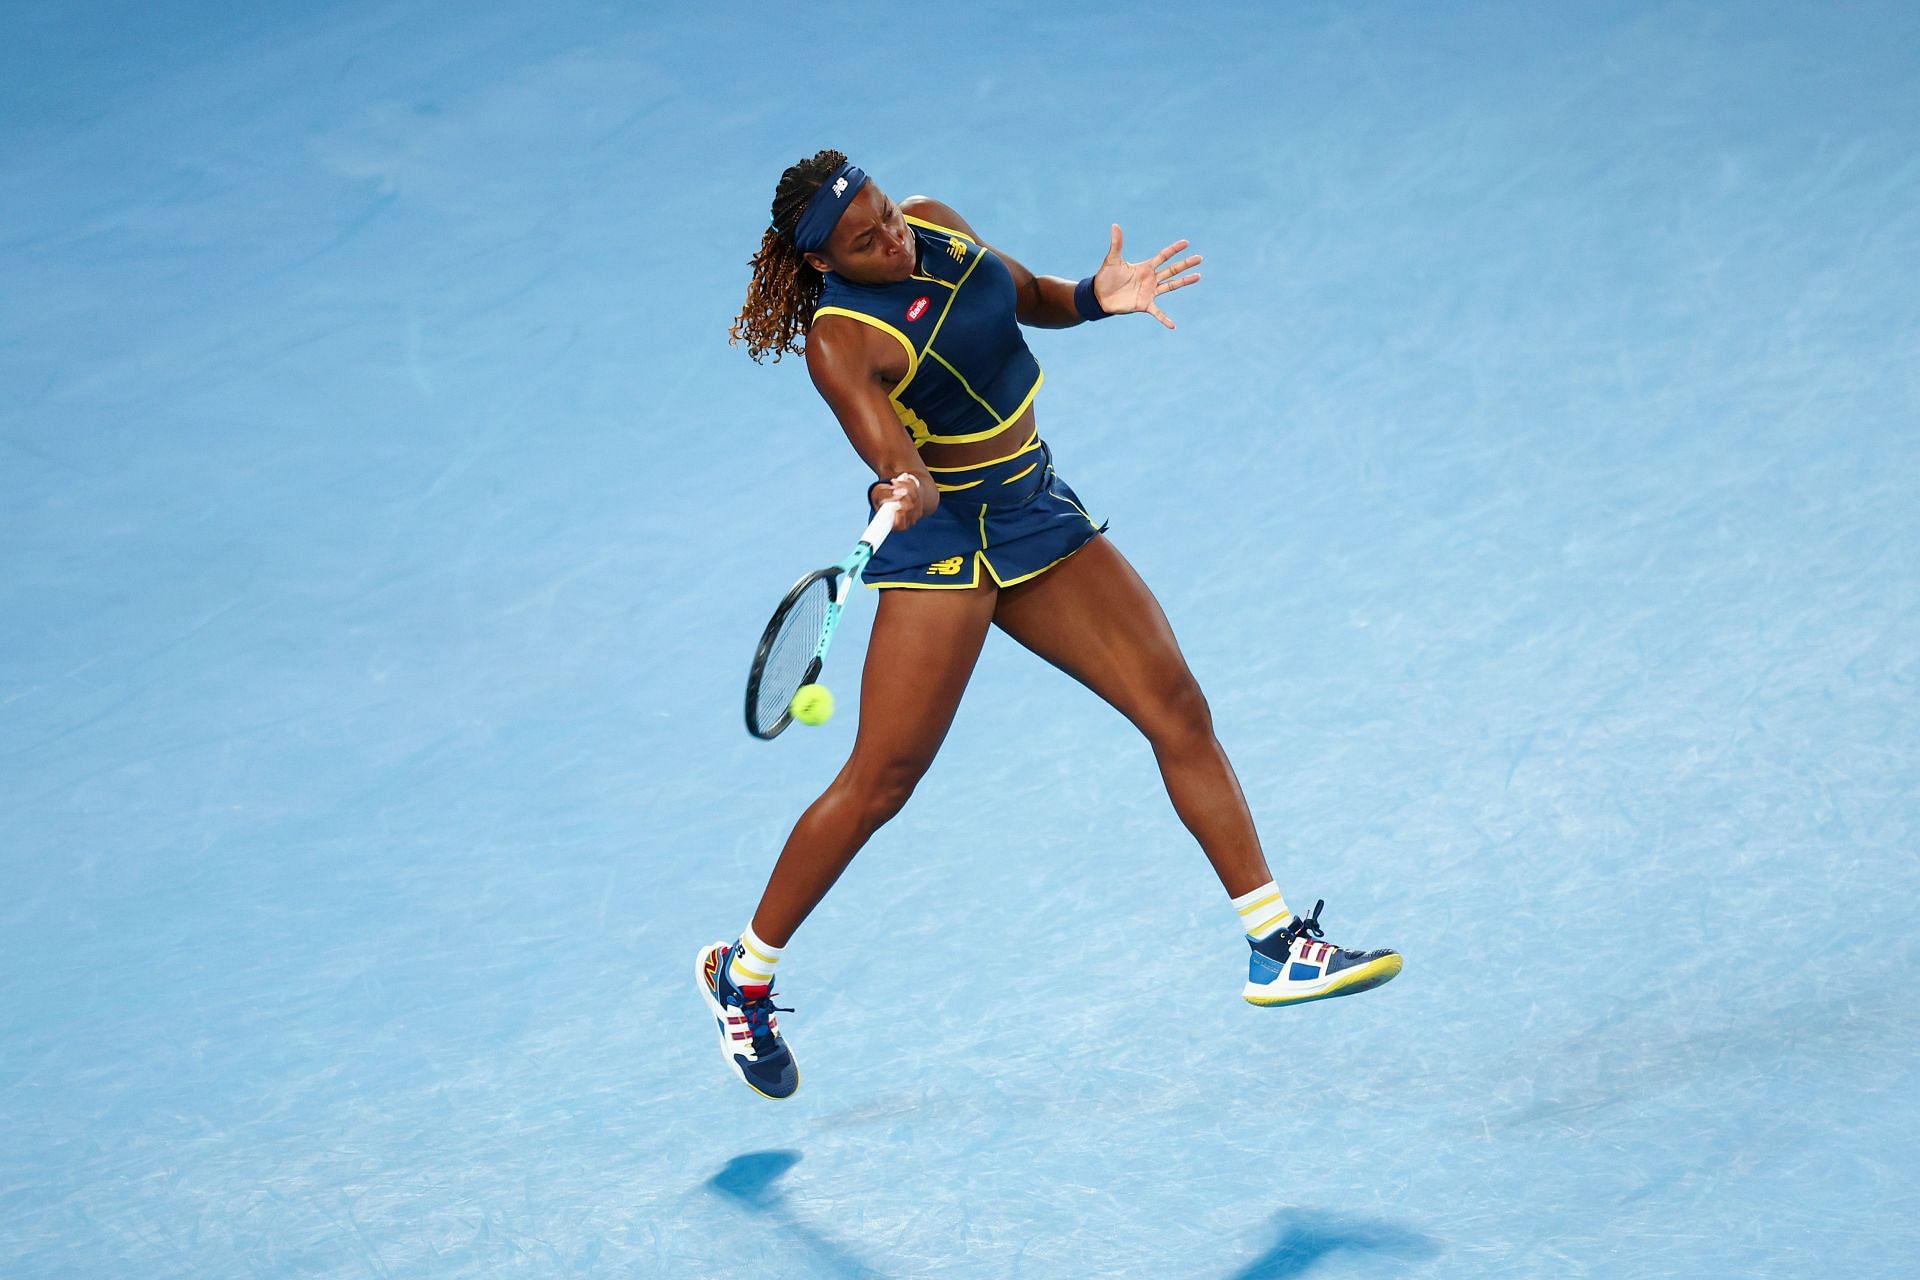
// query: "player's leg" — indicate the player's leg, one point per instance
point(922, 653)
point(1094, 618)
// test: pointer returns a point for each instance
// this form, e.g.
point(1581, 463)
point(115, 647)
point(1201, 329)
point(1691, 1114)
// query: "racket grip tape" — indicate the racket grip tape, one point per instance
point(881, 526)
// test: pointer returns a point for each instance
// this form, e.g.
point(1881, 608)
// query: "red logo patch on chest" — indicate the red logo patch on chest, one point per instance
point(919, 308)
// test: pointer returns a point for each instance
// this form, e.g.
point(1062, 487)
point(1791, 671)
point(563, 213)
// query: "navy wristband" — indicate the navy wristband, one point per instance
point(1085, 303)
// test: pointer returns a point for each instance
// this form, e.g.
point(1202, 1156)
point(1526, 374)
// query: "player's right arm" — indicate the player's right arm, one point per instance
point(852, 365)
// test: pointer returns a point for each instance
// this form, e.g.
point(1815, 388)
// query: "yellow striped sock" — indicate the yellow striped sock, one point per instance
point(753, 961)
point(1263, 912)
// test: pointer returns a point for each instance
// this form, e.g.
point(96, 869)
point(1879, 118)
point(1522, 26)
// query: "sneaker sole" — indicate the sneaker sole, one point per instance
point(1350, 982)
point(703, 963)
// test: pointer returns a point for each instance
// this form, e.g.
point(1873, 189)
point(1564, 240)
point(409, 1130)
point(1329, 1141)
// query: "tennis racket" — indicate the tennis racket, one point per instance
point(794, 646)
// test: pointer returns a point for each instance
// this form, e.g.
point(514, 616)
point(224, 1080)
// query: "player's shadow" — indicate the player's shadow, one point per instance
point(1305, 1239)
point(752, 1182)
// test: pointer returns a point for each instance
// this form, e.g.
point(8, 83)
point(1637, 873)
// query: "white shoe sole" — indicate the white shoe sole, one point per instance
point(1348, 982)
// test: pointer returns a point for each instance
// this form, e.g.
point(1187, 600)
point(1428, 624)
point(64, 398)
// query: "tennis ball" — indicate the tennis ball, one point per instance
point(813, 704)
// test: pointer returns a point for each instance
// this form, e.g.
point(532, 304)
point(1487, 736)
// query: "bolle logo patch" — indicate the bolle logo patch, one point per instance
point(919, 307)
point(839, 188)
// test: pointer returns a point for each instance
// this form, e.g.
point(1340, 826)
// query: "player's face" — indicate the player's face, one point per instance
point(872, 244)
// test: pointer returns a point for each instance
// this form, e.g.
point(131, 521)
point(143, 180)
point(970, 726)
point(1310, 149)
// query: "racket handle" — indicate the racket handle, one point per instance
point(881, 526)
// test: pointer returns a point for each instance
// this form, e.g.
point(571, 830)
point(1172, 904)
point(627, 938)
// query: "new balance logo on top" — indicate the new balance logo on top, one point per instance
point(956, 247)
point(839, 188)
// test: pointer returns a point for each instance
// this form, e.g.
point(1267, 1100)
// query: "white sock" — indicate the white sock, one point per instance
point(1263, 912)
point(753, 961)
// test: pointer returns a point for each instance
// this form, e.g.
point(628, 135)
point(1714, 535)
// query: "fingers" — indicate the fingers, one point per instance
point(1165, 278)
point(1167, 273)
point(906, 492)
point(1168, 252)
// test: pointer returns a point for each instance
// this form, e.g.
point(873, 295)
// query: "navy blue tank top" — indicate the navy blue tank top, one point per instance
point(969, 373)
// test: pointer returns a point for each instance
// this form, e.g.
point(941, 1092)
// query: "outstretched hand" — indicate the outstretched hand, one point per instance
point(1121, 287)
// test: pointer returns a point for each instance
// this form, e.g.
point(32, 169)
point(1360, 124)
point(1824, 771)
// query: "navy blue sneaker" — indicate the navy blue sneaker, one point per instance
point(1293, 967)
point(750, 1037)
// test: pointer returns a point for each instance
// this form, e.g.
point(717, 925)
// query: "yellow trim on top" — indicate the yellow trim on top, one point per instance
point(955, 488)
point(934, 226)
point(944, 312)
point(916, 425)
point(1010, 479)
point(967, 387)
point(1039, 378)
point(913, 357)
point(1000, 424)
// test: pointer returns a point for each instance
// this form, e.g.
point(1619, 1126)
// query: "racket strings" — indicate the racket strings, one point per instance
point(790, 657)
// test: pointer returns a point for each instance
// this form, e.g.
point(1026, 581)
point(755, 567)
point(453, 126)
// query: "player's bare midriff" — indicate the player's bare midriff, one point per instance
point(941, 457)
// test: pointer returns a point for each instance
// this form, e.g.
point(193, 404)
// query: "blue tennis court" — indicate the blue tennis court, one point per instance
point(385, 527)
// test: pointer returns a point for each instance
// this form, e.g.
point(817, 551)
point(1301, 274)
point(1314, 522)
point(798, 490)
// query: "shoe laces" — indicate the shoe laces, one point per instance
point(1307, 926)
point(759, 1011)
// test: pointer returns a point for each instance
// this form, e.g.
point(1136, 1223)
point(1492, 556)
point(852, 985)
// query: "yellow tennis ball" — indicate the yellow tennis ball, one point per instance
point(813, 704)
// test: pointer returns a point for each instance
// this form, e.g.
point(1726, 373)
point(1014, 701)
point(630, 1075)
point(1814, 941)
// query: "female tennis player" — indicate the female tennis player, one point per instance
point(910, 325)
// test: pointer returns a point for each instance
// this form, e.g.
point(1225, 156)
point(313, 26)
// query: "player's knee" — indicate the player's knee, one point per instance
point(1180, 714)
point(884, 787)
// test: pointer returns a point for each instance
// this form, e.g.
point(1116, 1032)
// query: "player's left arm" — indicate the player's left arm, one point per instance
point(1047, 302)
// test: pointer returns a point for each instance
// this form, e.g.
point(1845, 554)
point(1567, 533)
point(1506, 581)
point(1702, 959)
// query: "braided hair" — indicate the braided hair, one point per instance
point(784, 290)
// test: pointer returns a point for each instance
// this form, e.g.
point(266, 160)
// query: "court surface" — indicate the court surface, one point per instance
point(385, 526)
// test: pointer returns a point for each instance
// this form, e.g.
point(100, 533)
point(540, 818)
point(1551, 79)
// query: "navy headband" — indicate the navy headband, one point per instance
point(822, 213)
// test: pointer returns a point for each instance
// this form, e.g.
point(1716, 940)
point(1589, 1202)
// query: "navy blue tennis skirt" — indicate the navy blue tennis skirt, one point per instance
point(1005, 522)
